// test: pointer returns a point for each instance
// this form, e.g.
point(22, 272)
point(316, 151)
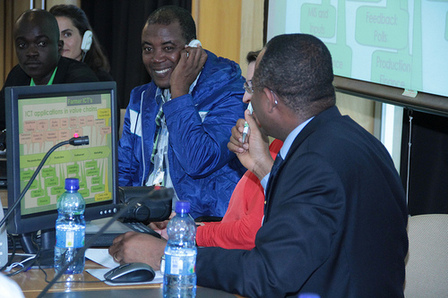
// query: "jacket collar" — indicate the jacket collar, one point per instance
point(323, 117)
point(320, 119)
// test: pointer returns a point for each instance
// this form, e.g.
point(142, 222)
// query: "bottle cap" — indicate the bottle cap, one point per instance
point(71, 183)
point(182, 207)
point(308, 295)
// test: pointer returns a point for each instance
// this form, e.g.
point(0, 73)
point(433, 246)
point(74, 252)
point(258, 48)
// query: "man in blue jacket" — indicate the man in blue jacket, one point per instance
point(176, 128)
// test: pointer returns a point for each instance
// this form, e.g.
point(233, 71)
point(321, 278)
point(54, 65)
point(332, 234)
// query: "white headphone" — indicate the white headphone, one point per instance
point(86, 41)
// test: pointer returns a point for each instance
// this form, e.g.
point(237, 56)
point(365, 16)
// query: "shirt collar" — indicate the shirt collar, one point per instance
point(291, 137)
point(50, 82)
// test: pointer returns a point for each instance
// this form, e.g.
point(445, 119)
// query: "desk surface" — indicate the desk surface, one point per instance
point(33, 282)
point(4, 197)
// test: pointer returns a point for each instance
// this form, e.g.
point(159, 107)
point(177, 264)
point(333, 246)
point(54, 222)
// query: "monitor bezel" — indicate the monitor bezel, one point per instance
point(18, 224)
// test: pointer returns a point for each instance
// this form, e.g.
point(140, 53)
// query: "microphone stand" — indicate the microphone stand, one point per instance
point(75, 141)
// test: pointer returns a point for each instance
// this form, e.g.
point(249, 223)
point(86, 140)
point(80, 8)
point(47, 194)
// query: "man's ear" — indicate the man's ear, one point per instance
point(60, 46)
point(272, 98)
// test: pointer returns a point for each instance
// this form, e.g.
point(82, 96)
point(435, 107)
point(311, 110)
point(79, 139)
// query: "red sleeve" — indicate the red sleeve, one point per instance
point(236, 233)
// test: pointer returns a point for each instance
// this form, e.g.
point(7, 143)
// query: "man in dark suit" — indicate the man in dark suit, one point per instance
point(37, 44)
point(335, 215)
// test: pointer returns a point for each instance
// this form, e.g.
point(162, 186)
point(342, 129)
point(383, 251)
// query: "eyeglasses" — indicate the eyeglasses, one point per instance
point(249, 87)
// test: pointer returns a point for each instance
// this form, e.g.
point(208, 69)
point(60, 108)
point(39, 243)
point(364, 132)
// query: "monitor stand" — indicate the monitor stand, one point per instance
point(46, 251)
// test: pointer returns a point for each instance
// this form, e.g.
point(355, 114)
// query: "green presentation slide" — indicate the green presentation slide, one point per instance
point(397, 43)
point(43, 125)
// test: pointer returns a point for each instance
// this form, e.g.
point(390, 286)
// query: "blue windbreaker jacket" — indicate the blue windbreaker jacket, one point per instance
point(202, 169)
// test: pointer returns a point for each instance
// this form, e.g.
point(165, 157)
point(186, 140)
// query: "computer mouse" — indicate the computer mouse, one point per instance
point(129, 273)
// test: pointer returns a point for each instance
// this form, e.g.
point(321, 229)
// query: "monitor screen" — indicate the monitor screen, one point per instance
point(40, 117)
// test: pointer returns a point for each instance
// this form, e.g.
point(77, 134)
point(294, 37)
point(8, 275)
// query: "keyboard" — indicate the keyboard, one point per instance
point(141, 228)
point(117, 228)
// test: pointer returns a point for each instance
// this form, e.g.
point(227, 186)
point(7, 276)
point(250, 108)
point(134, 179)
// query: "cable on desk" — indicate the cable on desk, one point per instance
point(24, 264)
point(71, 281)
point(13, 241)
point(29, 262)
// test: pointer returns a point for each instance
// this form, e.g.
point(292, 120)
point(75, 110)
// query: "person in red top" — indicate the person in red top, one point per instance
point(243, 218)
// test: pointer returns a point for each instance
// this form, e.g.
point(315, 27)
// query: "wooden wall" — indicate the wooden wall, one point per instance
point(9, 12)
point(230, 28)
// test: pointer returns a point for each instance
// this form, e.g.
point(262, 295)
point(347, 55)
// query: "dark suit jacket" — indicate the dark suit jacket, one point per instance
point(69, 71)
point(335, 222)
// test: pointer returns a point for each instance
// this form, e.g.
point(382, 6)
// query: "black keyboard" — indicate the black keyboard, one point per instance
point(107, 238)
point(141, 228)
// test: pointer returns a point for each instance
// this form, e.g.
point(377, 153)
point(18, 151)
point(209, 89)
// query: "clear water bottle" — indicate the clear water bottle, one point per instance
point(179, 278)
point(70, 228)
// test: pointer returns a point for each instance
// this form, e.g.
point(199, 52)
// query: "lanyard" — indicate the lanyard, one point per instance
point(50, 82)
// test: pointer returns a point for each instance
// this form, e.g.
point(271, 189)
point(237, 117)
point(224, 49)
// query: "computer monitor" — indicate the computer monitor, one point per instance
point(38, 118)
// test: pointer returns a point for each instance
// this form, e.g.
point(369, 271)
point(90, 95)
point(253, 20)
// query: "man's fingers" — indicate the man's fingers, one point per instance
point(249, 118)
point(118, 239)
point(240, 124)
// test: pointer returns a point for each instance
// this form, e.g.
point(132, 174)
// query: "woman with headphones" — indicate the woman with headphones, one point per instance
point(79, 41)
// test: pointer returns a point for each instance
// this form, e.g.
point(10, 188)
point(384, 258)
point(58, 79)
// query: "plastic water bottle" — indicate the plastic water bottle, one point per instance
point(70, 228)
point(179, 278)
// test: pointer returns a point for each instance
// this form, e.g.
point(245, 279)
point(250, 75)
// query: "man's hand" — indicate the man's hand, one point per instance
point(236, 144)
point(254, 154)
point(160, 226)
point(190, 64)
point(138, 247)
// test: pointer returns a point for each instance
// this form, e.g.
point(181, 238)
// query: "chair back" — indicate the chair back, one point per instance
point(427, 259)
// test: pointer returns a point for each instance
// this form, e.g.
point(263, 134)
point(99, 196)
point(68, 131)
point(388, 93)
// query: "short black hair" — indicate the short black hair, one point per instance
point(169, 14)
point(298, 68)
point(43, 16)
point(252, 56)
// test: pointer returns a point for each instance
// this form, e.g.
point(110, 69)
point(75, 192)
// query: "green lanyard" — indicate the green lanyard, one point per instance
point(50, 82)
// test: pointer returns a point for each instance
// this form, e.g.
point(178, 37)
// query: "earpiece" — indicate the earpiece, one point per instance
point(86, 41)
point(274, 95)
point(194, 43)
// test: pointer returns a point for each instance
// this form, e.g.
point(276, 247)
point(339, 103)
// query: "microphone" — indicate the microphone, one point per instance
point(79, 141)
point(157, 193)
point(150, 208)
point(73, 141)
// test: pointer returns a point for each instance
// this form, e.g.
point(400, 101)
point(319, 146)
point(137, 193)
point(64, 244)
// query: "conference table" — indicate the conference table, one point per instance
point(33, 282)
